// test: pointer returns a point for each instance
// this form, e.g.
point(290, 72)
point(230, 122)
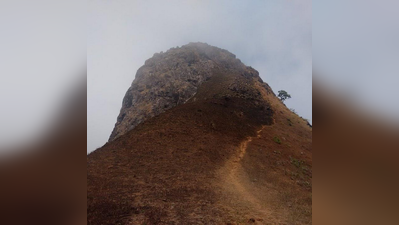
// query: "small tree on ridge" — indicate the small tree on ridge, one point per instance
point(283, 95)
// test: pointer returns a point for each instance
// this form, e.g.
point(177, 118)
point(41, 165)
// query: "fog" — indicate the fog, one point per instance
point(274, 37)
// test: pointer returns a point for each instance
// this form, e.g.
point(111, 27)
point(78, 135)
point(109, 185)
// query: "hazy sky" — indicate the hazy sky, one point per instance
point(42, 58)
point(274, 37)
point(43, 44)
point(356, 52)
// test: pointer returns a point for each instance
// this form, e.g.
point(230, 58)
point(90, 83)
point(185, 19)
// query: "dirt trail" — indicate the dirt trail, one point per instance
point(244, 145)
point(236, 182)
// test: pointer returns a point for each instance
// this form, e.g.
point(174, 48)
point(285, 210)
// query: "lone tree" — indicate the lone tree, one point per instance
point(283, 95)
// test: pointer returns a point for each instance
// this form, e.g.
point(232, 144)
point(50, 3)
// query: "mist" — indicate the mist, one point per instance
point(274, 37)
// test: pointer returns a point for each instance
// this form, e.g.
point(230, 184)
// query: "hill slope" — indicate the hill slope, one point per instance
point(229, 153)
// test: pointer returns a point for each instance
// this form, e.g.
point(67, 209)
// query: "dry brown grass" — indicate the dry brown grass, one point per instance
point(205, 163)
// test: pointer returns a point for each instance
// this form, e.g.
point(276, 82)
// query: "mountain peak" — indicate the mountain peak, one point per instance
point(201, 139)
point(174, 77)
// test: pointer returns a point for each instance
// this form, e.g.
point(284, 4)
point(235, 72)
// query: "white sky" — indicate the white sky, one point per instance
point(273, 37)
point(42, 45)
point(356, 52)
point(42, 58)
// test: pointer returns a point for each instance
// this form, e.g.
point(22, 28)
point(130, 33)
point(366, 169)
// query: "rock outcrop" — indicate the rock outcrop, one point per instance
point(172, 78)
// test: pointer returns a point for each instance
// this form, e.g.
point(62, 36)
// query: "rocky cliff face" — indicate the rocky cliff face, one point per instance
point(172, 78)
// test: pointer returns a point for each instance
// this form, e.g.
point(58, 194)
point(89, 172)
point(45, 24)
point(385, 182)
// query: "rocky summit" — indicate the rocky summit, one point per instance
point(172, 78)
point(201, 139)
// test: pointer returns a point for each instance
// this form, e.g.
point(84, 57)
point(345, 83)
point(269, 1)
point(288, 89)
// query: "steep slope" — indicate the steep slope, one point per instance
point(231, 154)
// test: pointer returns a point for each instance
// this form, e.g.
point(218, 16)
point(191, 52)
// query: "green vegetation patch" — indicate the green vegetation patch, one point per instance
point(277, 140)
